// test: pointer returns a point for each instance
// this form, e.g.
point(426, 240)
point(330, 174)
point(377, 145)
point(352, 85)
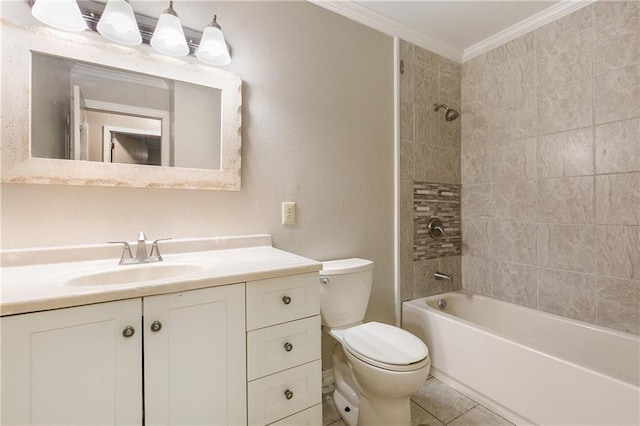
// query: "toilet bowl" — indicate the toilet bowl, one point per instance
point(377, 366)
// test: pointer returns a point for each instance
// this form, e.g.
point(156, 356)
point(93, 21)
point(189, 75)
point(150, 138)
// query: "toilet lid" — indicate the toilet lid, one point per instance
point(385, 344)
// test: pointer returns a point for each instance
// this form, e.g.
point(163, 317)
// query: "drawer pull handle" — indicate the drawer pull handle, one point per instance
point(286, 300)
point(288, 394)
point(128, 331)
point(288, 347)
point(156, 326)
point(325, 280)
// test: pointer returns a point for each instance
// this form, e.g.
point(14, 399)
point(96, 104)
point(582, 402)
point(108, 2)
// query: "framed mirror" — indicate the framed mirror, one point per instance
point(83, 111)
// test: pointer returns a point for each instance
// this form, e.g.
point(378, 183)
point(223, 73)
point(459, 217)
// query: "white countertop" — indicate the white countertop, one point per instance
point(30, 286)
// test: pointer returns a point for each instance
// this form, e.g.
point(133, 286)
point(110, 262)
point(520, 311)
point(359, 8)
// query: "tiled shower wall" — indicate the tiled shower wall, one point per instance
point(429, 153)
point(551, 168)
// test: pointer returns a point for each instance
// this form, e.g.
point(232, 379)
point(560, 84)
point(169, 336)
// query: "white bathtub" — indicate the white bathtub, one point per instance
point(529, 366)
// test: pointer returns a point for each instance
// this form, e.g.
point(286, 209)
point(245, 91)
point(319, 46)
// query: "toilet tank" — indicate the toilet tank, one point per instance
point(345, 286)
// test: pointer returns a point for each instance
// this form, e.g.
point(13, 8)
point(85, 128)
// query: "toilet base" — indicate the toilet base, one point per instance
point(348, 412)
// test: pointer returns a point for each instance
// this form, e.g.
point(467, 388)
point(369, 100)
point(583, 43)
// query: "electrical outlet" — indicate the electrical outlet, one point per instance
point(288, 213)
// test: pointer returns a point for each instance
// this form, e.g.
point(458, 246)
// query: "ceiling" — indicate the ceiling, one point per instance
point(457, 29)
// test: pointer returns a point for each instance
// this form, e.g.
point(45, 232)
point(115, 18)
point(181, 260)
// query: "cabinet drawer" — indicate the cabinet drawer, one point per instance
point(309, 417)
point(282, 299)
point(277, 396)
point(283, 346)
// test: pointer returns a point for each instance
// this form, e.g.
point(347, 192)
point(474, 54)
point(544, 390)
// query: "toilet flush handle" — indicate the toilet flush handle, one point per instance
point(325, 280)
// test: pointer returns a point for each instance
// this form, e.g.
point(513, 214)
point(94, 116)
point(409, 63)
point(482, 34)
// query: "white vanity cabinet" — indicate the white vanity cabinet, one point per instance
point(84, 365)
point(283, 351)
point(79, 366)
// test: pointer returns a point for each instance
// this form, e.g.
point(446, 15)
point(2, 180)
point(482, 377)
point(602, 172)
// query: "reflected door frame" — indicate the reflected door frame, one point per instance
point(107, 135)
point(163, 116)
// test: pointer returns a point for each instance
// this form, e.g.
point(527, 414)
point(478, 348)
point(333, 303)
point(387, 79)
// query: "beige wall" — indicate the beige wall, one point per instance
point(551, 168)
point(317, 130)
point(429, 152)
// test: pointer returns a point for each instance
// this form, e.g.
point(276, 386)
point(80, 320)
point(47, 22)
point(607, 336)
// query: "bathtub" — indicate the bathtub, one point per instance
point(529, 366)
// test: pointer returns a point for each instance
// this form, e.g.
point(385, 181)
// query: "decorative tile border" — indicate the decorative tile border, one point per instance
point(440, 200)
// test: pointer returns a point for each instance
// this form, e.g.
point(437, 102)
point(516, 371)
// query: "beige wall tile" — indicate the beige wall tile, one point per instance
point(406, 50)
point(617, 31)
point(406, 272)
point(477, 274)
point(452, 265)
point(424, 284)
point(565, 200)
point(559, 64)
point(448, 133)
point(476, 202)
point(426, 85)
point(618, 251)
point(406, 120)
point(407, 82)
point(515, 120)
point(474, 125)
point(515, 201)
point(618, 199)
point(570, 294)
point(476, 165)
point(515, 283)
point(618, 304)
point(422, 163)
point(565, 108)
point(565, 27)
point(444, 166)
point(476, 80)
point(407, 160)
point(452, 68)
point(426, 124)
point(618, 147)
point(512, 49)
point(565, 154)
point(514, 160)
point(513, 79)
point(570, 247)
point(514, 242)
point(449, 90)
point(476, 238)
point(617, 95)
point(426, 58)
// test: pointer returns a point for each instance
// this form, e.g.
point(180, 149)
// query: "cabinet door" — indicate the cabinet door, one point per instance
point(73, 366)
point(194, 357)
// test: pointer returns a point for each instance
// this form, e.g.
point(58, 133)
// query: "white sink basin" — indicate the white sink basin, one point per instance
point(125, 274)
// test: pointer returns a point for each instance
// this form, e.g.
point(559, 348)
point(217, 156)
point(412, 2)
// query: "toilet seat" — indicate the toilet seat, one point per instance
point(385, 346)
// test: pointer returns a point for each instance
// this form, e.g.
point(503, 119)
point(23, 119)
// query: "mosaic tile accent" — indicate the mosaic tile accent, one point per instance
point(440, 200)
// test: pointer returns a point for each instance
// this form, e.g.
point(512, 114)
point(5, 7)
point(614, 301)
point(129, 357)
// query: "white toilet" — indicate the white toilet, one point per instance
point(376, 366)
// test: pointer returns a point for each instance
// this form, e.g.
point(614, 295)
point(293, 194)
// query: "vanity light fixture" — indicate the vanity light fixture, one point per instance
point(118, 23)
point(213, 48)
point(168, 37)
point(60, 14)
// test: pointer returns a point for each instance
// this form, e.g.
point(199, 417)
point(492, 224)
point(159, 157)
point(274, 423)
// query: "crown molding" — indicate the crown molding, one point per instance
point(544, 17)
point(390, 27)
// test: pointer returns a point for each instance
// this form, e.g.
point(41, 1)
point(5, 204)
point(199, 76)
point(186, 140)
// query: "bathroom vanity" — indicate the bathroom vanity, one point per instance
point(223, 331)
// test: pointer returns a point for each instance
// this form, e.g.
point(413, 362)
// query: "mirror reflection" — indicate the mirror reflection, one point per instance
point(88, 112)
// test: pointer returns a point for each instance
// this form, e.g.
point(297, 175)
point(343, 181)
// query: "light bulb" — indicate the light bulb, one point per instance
point(213, 47)
point(60, 14)
point(118, 23)
point(168, 37)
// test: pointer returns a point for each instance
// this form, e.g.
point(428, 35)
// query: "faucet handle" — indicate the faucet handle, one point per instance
point(126, 252)
point(155, 251)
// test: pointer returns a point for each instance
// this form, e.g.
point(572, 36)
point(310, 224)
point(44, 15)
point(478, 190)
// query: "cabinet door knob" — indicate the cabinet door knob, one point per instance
point(286, 300)
point(288, 394)
point(156, 326)
point(288, 347)
point(128, 331)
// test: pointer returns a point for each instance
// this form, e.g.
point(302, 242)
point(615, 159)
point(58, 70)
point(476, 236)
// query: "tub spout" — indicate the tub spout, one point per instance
point(442, 276)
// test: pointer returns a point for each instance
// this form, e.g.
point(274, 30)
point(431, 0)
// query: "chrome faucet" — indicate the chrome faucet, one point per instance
point(141, 251)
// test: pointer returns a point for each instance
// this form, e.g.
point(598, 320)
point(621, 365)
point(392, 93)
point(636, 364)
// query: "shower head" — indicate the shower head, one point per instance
point(450, 113)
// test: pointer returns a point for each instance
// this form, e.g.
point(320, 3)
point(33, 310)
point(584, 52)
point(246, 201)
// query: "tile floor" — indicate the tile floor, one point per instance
point(435, 404)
